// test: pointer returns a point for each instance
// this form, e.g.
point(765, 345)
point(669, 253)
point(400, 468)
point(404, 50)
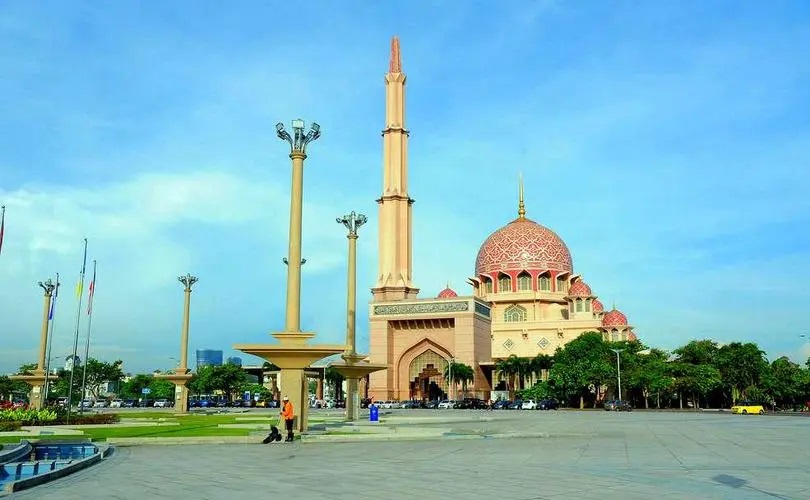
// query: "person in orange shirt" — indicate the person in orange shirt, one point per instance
point(288, 415)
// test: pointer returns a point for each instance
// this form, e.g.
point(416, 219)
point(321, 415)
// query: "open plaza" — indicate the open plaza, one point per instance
point(475, 454)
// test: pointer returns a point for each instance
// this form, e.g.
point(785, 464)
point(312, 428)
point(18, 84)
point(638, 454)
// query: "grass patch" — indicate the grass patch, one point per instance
point(189, 426)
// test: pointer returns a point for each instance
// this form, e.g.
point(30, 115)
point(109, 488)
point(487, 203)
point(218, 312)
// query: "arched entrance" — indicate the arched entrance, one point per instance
point(425, 377)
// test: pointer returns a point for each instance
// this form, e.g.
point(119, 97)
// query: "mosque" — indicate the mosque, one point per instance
point(526, 298)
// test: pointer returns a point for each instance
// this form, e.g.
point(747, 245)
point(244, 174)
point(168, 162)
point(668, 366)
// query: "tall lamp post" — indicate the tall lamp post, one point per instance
point(619, 370)
point(181, 374)
point(353, 366)
point(292, 354)
point(38, 376)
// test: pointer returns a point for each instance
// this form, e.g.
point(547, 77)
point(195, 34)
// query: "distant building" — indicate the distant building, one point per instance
point(71, 361)
point(234, 360)
point(208, 357)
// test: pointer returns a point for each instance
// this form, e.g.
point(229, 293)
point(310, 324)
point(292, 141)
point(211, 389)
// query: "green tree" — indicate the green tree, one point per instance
point(785, 383)
point(255, 389)
point(508, 368)
point(741, 367)
point(695, 380)
point(101, 372)
point(132, 388)
point(335, 380)
point(228, 378)
point(461, 374)
point(161, 389)
point(697, 352)
point(583, 365)
point(650, 375)
point(202, 382)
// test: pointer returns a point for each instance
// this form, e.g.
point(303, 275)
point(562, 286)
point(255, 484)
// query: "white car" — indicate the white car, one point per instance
point(162, 403)
point(447, 404)
point(116, 403)
point(101, 403)
point(529, 404)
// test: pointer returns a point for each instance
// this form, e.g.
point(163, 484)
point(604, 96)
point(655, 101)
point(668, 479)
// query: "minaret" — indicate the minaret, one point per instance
point(394, 280)
point(521, 205)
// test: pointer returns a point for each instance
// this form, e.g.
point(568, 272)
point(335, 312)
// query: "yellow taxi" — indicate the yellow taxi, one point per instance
point(748, 407)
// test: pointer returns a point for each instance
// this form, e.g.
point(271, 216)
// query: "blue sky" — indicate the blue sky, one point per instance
point(667, 144)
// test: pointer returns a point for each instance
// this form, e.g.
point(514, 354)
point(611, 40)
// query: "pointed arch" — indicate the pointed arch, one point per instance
point(524, 281)
point(514, 314)
point(403, 363)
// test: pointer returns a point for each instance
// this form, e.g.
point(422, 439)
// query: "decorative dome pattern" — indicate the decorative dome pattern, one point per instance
point(523, 245)
point(579, 289)
point(632, 336)
point(447, 293)
point(614, 318)
point(597, 306)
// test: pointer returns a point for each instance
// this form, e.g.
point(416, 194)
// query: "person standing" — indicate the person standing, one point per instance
point(288, 415)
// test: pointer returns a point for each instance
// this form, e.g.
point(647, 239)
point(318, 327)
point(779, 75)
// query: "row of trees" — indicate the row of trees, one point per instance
point(98, 375)
point(699, 374)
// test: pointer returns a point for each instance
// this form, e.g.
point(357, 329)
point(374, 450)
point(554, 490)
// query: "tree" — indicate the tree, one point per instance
point(161, 389)
point(228, 378)
point(784, 383)
point(696, 380)
point(459, 373)
point(335, 380)
point(133, 388)
point(582, 366)
point(697, 352)
point(101, 372)
point(650, 375)
point(509, 368)
point(202, 382)
point(741, 367)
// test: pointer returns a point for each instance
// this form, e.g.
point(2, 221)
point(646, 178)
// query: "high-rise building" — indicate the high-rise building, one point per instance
point(208, 357)
point(234, 360)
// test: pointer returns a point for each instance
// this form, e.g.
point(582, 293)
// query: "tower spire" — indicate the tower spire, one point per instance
point(521, 206)
point(395, 65)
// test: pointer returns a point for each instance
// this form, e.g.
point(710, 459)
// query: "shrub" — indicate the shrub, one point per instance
point(96, 418)
point(28, 416)
point(9, 426)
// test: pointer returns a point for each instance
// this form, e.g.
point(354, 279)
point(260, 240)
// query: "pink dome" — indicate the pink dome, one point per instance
point(632, 336)
point(579, 289)
point(447, 293)
point(523, 245)
point(597, 306)
point(614, 318)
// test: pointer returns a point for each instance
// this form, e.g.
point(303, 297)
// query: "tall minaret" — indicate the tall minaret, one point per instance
point(394, 280)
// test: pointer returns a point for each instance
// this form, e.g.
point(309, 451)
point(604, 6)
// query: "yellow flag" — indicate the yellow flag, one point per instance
point(79, 288)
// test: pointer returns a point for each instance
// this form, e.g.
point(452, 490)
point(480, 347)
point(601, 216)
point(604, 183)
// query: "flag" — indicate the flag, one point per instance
point(2, 226)
point(80, 284)
point(91, 289)
point(79, 287)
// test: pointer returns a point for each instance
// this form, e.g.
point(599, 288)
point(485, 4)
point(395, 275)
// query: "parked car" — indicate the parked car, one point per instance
point(618, 405)
point(748, 407)
point(547, 404)
point(446, 404)
point(516, 404)
point(529, 404)
point(116, 403)
point(129, 403)
point(501, 404)
point(101, 403)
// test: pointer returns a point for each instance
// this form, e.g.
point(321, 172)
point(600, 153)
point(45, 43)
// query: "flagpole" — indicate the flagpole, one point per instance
point(89, 324)
point(2, 225)
point(76, 335)
point(50, 339)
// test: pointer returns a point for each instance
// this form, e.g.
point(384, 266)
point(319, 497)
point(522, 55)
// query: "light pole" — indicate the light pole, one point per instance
point(298, 146)
point(450, 376)
point(619, 370)
point(51, 318)
point(187, 281)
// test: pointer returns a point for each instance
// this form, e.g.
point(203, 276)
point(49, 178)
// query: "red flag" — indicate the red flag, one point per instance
point(2, 226)
point(91, 290)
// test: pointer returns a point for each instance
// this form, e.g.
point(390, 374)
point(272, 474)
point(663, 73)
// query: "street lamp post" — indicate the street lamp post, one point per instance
point(619, 370)
point(298, 146)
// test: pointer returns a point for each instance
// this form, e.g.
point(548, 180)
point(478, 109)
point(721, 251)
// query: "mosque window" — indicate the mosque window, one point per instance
point(524, 281)
point(587, 305)
point(545, 283)
point(614, 335)
point(514, 314)
point(504, 283)
point(561, 285)
point(579, 305)
point(488, 285)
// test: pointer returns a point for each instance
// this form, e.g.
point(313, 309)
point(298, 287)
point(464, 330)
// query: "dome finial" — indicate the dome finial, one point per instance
point(521, 206)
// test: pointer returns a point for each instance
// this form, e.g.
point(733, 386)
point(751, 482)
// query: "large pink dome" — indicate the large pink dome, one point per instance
point(614, 318)
point(523, 245)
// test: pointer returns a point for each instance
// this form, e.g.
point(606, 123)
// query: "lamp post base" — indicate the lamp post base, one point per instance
point(292, 355)
point(354, 368)
point(180, 390)
point(36, 397)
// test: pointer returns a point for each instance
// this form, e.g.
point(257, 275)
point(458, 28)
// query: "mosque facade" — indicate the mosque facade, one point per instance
point(526, 297)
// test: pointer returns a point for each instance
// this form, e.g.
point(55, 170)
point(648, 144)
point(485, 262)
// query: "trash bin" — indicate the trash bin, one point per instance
point(373, 413)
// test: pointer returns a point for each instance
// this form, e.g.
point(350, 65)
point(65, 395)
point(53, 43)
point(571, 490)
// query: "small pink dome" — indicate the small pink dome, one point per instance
point(632, 336)
point(579, 289)
point(447, 293)
point(614, 318)
point(597, 306)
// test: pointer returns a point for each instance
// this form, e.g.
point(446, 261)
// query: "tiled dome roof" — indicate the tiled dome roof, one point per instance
point(579, 289)
point(523, 245)
point(614, 318)
point(447, 293)
point(597, 306)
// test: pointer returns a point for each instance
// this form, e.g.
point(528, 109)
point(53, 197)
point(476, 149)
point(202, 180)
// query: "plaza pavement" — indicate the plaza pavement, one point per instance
point(586, 455)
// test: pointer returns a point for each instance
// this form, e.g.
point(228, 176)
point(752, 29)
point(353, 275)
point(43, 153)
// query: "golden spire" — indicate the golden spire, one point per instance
point(395, 65)
point(521, 206)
